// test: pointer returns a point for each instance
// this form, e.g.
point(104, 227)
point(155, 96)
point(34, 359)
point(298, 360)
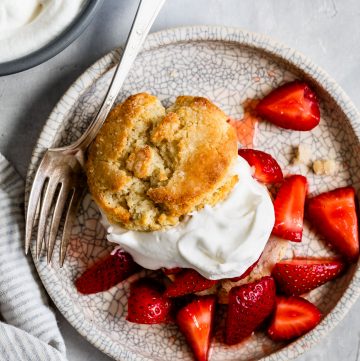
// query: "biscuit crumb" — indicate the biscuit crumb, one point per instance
point(302, 154)
point(325, 167)
point(173, 74)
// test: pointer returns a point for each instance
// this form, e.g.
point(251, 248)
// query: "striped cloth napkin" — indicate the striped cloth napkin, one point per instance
point(28, 330)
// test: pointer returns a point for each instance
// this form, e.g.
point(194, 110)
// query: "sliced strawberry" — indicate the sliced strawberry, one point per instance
point(267, 169)
point(106, 273)
point(249, 305)
point(289, 208)
point(195, 321)
point(333, 214)
point(171, 271)
point(246, 273)
point(146, 303)
point(297, 276)
point(293, 317)
point(292, 106)
point(188, 281)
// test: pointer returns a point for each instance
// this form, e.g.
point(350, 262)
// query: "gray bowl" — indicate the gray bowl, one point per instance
point(55, 46)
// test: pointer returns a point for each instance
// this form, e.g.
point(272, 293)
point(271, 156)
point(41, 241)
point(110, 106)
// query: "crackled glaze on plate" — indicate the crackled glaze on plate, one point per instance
point(228, 66)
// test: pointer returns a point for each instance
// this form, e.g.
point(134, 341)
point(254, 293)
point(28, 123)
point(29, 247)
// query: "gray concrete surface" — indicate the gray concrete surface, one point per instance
point(327, 31)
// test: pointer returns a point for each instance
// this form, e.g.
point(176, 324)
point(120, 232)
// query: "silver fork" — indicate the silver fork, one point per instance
point(59, 180)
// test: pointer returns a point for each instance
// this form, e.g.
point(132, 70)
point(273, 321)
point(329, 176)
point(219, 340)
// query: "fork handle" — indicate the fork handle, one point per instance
point(144, 18)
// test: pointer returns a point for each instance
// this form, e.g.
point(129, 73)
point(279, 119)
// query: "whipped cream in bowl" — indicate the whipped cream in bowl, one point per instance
point(218, 242)
point(26, 26)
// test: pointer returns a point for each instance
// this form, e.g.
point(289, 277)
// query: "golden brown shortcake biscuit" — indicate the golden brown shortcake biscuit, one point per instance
point(148, 167)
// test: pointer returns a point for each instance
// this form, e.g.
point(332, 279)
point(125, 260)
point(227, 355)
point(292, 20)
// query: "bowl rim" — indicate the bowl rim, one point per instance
point(173, 36)
point(56, 45)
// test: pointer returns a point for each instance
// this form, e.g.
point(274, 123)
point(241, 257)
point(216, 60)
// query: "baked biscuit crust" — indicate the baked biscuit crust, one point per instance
point(149, 167)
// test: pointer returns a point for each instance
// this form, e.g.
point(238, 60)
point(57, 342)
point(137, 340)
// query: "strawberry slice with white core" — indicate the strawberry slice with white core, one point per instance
point(249, 305)
point(267, 169)
point(291, 106)
point(289, 208)
point(293, 317)
point(195, 321)
point(334, 215)
point(297, 276)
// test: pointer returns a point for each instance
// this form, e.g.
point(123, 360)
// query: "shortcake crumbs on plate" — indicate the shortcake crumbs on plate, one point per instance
point(325, 167)
point(303, 154)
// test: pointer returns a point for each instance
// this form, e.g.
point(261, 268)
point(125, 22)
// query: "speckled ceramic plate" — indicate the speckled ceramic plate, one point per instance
point(228, 66)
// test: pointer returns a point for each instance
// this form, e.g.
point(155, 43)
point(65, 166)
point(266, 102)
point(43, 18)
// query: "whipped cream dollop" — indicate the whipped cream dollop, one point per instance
point(27, 25)
point(218, 242)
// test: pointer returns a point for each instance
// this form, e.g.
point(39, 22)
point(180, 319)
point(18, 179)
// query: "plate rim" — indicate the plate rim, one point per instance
point(202, 33)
